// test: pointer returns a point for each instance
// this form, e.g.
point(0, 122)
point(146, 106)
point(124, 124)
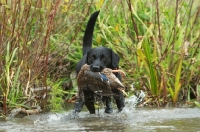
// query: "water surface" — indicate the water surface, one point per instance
point(129, 120)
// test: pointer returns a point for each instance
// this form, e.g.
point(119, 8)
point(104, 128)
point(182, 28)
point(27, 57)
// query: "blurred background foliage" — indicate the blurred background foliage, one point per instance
point(41, 42)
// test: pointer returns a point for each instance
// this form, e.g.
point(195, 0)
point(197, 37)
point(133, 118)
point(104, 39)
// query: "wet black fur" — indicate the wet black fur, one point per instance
point(98, 58)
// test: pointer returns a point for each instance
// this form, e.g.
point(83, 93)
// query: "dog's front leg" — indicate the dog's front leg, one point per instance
point(119, 99)
point(78, 106)
point(108, 108)
point(80, 102)
point(89, 100)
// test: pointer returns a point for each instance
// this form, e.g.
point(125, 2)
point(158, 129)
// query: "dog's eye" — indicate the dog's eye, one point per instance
point(91, 58)
point(104, 58)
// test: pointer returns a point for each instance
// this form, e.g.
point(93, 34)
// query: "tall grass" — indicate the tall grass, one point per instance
point(7, 76)
point(42, 35)
point(168, 45)
point(41, 42)
point(25, 37)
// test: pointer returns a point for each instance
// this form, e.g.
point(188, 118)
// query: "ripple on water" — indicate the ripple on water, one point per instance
point(130, 119)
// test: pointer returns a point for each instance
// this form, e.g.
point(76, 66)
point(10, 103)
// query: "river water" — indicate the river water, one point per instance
point(131, 119)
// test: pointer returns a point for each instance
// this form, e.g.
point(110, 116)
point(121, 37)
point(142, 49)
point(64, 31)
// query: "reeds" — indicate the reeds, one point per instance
point(168, 45)
point(158, 42)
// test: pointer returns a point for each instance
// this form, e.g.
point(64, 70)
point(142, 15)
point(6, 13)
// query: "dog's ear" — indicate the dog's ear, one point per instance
point(115, 60)
point(86, 58)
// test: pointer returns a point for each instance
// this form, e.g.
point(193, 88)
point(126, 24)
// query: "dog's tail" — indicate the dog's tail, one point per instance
point(87, 39)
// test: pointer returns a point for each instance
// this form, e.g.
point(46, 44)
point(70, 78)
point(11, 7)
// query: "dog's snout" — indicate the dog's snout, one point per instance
point(95, 68)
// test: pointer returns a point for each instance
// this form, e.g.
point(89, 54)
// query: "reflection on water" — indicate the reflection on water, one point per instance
point(129, 120)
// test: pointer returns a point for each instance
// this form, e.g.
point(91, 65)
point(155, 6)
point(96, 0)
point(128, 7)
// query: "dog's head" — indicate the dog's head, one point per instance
point(102, 57)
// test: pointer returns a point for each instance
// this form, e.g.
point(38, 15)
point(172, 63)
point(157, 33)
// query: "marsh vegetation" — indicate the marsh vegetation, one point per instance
point(40, 43)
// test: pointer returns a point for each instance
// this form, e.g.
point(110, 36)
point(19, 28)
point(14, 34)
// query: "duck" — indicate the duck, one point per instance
point(100, 83)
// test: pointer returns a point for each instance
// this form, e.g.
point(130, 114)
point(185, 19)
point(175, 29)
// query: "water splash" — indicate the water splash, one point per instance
point(126, 114)
point(133, 101)
point(130, 119)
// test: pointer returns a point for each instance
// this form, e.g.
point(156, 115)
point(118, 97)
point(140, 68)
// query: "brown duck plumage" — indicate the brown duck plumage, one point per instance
point(114, 82)
point(99, 82)
point(92, 80)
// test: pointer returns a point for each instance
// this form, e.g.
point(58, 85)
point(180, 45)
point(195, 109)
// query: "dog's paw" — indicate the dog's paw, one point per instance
point(108, 110)
point(74, 114)
point(120, 109)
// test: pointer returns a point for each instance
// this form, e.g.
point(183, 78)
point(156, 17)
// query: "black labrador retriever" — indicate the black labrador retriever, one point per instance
point(98, 58)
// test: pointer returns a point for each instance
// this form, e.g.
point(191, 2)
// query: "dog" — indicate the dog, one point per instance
point(98, 58)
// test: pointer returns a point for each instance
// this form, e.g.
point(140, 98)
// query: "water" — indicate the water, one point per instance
point(129, 120)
